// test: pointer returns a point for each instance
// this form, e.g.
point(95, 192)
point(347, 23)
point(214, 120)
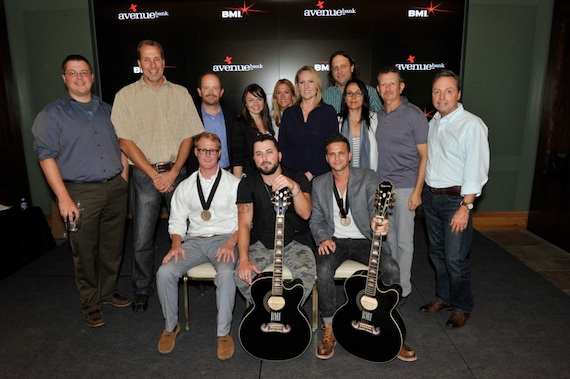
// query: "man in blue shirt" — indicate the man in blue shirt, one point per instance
point(217, 118)
point(80, 157)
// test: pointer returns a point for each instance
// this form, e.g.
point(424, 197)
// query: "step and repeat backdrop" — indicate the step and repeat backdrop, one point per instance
point(261, 41)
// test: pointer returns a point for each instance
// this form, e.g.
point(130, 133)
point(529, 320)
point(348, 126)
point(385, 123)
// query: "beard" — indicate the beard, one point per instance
point(268, 171)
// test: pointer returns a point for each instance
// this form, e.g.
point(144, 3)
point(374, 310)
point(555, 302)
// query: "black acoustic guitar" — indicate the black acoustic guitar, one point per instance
point(275, 327)
point(368, 325)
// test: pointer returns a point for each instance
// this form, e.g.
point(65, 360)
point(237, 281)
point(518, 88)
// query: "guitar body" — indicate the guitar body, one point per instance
point(376, 334)
point(275, 335)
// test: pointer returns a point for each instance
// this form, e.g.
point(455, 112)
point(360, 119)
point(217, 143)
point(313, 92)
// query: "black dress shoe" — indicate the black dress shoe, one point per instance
point(140, 304)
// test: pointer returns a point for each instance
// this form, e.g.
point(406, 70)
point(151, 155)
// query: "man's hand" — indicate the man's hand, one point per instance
point(164, 182)
point(460, 220)
point(174, 252)
point(326, 247)
point(244, 271)
point(226, 253)
point(379, 225)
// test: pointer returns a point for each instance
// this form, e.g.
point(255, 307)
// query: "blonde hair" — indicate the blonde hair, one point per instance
point(277, 110)
point(316, 79)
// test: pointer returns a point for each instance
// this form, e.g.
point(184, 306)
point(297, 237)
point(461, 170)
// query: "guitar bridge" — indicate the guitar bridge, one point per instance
point(365, 327)
point(275, 327)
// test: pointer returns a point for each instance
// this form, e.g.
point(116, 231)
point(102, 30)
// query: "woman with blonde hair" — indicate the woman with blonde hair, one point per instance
point(306, 125)
point(283, 97)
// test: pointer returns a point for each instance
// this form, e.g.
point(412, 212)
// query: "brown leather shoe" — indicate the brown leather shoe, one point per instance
point(457, 319)
point(168, 340)
point(407, 353)
point(435, 306)
point(325, 347)
point(225, 347)
point(94, 319)
point(118, 301)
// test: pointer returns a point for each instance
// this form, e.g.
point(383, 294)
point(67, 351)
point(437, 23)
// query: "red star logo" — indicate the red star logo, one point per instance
point(246, 9)
point(428, 114)
point(320, 4)
point(228, 59)
point(411, 58)
point(434, 8)
point(133, 7)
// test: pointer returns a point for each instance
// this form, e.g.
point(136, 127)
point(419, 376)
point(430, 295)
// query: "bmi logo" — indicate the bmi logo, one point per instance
point(239, 12)
point(424, 12)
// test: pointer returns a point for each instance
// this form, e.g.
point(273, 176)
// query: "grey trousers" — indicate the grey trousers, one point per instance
point(198, 251)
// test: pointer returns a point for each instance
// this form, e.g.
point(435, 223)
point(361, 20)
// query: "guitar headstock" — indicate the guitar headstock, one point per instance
point(281, 200)
point(384, 199)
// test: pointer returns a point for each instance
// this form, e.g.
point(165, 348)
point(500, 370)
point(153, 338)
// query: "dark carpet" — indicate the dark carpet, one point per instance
point(519, 328)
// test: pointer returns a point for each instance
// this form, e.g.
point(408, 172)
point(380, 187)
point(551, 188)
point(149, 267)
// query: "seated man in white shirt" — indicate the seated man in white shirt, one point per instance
point(203, 228)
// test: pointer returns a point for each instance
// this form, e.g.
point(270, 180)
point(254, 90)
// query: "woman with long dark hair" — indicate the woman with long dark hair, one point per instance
point(358, 124)
point(253, 120)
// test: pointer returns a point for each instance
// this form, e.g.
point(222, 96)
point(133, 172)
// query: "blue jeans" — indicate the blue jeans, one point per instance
point(146, 202)
point(448, 251)
point(357, 250)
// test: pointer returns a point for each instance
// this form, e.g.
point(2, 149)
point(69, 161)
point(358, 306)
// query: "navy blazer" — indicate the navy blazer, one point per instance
point(362, 185)
point(229, 120)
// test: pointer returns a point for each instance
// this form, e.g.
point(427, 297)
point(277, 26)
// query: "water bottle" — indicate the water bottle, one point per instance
point(23, 204)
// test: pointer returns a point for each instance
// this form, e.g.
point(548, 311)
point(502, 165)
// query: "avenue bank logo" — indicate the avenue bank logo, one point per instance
point(136, 15)
point(245, 10)
point(410, 64)
point(321, 11)
point(424, 12)
point(229, 66)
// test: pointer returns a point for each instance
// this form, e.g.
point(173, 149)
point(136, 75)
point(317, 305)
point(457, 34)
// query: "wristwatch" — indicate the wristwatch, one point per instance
point(467, 205)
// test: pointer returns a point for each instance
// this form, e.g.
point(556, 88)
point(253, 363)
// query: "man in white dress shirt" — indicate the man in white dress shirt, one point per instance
point(203, 228)
point(457, 170)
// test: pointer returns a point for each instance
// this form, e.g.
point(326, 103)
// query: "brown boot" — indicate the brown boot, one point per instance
point(225, 347)
point(325, 348)
point(168, 340)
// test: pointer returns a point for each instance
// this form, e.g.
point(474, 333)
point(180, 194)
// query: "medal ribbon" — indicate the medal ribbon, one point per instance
point(343, 211)
point(206, 204)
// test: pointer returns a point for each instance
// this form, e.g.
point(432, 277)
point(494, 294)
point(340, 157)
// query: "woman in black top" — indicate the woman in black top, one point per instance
point(253, 120)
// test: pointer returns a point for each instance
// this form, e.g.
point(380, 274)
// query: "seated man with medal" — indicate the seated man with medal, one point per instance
point(203, 228)
point(341, 224)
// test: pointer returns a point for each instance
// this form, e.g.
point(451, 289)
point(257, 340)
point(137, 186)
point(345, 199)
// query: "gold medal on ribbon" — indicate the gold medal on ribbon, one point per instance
point(344, 221)
point(206, 215)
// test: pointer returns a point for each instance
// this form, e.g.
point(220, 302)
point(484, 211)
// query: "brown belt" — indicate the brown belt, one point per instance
point(453, 191)
point(163, 166)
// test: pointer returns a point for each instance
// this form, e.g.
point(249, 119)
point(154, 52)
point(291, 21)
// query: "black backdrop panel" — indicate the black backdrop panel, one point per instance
point(265, 40)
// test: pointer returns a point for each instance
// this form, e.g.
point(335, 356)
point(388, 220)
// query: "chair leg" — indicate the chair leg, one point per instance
point(186, 302)
point(315, 307)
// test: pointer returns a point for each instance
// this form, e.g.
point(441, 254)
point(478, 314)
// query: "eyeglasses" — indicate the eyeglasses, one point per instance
point(73, 74)
point(351, 94)
point(208, 151)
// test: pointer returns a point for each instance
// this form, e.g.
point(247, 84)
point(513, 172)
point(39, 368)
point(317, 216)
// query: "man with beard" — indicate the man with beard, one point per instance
point(217, 118)
point(255, 243)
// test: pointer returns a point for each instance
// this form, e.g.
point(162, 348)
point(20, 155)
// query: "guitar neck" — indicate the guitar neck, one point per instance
point(373, 264)
point(279, 244)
